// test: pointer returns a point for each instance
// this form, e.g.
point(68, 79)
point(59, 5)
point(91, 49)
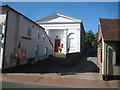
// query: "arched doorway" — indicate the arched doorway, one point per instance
point(71, 42)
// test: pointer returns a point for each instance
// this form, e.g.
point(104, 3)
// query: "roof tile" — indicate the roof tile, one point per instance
point(110, 29)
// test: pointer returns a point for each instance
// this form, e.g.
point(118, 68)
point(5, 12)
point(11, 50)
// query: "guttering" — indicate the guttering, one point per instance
point(5, 36)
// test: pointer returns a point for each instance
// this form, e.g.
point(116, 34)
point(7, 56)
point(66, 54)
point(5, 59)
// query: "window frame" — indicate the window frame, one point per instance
point(43, 37)
point(37, 50)
point(38, 35)
point(29, 30)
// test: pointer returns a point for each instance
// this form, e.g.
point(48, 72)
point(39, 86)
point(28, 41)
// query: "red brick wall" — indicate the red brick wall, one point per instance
point(99, 59)
point(99, 51)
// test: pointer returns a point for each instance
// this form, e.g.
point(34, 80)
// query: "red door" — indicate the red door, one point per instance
point(57, 44)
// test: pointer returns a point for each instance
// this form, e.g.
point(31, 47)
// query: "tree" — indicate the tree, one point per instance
point(91, 39)
point(94, 43)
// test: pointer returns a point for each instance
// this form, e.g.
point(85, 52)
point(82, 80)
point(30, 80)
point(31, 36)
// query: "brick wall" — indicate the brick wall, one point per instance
point(99, 51)
point(99, 59)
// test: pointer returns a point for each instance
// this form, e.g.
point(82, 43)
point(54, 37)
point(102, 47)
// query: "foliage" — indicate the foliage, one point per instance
point(59, 49)
point(13, 57)
point(91, 39)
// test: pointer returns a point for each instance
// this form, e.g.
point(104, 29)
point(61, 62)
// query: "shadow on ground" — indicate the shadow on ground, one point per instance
point(91, 52)
point(56, 65)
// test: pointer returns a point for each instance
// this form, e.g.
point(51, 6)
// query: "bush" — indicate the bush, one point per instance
point(59, 49)
point(13, 57)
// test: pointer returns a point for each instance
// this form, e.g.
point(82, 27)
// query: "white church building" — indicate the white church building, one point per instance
point(65, 32)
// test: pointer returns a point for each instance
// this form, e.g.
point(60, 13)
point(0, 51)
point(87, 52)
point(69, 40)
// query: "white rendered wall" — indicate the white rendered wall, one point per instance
point(2, 31)
point(18, 28)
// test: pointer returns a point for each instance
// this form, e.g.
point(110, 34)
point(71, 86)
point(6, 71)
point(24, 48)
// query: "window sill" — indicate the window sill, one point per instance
point(29, 38)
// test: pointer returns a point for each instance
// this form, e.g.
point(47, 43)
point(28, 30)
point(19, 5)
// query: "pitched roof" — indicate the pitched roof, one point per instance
point(56, 15)
point(10, 8)
point(110, 29)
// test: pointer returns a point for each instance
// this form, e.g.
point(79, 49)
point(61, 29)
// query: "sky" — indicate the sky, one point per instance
point(88, 12)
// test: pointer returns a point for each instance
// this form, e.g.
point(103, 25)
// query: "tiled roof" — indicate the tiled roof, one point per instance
point(110, 29)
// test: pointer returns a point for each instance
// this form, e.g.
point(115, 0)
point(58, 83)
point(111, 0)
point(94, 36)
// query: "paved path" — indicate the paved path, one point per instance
point(6, 84)
point(36, 79)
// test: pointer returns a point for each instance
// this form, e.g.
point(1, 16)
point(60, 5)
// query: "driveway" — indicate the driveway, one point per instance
point(84, 68)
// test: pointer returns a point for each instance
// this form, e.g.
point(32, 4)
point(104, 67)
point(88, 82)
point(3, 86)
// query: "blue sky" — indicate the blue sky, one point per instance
point(88, 12)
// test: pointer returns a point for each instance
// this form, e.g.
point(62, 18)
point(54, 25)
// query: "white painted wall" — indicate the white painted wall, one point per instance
point(18, 28)
point(61, 26)
point(63, 36)
point(56, 23)
point(61, 19)
point(2, 31)
point(103, 57)
point(76, 41)
point(109, 67)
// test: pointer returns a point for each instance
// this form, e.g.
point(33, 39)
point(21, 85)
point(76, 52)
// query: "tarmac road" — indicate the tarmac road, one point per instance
point(22, 85)
point(84, 65)
point(86, 68)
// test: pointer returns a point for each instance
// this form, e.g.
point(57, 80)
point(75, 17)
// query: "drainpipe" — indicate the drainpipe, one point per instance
point(106, 78)
point(5, 35)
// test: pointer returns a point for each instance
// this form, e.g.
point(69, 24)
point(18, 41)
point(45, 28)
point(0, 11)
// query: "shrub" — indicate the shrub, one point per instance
point(59, 49)
point(13, 57)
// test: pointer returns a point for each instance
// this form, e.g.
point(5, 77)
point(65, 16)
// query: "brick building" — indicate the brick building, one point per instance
point(109, 48)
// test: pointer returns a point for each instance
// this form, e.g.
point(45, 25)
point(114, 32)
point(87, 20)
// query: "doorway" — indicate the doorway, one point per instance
point(110, 62)
point(118, 53)
point(56, 45)
point(71, 43)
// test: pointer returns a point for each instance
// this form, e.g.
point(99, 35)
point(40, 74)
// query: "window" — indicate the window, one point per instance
point(38, 35)
point(37, 50)
point(29, 30)
point(43, 37)
point(1, 27)
point(72, 42)
point(46, 51)
point(110, 57)
point(1, 35)
point(19, 45)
